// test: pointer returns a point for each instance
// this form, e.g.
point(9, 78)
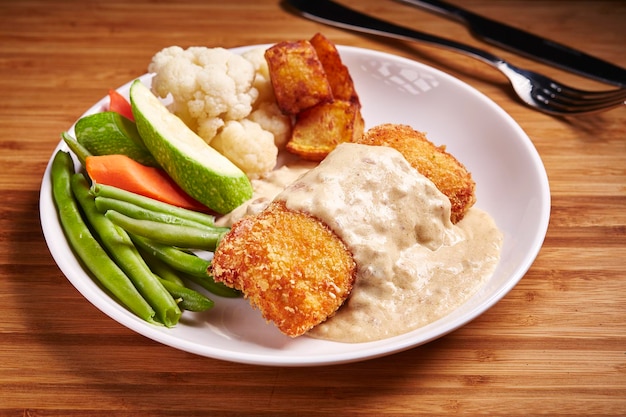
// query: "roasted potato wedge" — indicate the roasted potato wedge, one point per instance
point(337, 73)
point(318, 130)
point(312, 84)
point(297, 76)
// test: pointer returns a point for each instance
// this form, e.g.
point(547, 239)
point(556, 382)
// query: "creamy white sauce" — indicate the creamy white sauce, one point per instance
point(414, 265)
point(265, 189)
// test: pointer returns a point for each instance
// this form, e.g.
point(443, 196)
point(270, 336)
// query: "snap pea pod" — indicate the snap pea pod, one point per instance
point(169, 234)
point(177, 259)
point(125, 254)
point(160, 268)
point(209, 284)
point(79, 150)
point(85, 245)
point(102, 190)
point(190, 300)
point(189, 266)
point(166, 271)
point(141, 213)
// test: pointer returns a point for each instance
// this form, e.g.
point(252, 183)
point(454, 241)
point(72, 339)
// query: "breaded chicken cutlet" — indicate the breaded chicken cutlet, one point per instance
point(442, 168)
point(289, 265)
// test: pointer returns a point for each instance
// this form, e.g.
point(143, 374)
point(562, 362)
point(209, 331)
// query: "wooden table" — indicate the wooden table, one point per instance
point(555, 345)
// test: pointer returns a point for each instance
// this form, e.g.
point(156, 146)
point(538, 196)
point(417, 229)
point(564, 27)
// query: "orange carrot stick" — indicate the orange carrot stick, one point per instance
point(125, 173)
point(119, 104)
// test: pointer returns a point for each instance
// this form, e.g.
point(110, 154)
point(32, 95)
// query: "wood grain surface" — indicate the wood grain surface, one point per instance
point(554, 346)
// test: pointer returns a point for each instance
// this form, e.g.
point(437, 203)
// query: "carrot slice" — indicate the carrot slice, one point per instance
point(123, 172)
point(119, 104)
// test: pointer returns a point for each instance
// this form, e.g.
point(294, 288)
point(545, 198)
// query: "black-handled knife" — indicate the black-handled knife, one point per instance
point(528, 44)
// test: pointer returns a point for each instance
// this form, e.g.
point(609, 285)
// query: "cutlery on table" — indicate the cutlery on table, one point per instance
point(527, 44)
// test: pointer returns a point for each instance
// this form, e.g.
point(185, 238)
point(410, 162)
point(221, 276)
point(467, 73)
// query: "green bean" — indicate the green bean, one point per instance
point(169, 234)
point(141, 213)
point(190, 300)
point(79, 150)
point(160, 268)
point(166, 271)
point(125, 254)
point(85, 245)
point(178, 259)
point(102, 190)
point(209, 284)
point(189, 265)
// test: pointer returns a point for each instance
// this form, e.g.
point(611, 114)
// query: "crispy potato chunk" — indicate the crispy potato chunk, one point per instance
point(289, 265)
point(321, 121)
point(297, 76)
point(442, 168)
point(337, 73)
point(320, 129)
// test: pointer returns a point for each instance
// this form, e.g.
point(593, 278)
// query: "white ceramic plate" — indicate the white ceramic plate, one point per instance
point(511, 185)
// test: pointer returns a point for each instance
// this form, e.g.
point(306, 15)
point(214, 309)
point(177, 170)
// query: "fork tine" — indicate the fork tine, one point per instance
point(595, 99)
point(558, 107)
point(584, 109)
point(592, 95)
point(549, 96)
point(557, 98)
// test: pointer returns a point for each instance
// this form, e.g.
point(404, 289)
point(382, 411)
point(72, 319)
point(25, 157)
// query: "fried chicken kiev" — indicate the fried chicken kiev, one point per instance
point(289, 265)
point(442, 168)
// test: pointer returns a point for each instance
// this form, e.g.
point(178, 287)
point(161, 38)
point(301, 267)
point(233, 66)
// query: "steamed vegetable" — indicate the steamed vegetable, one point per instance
point(150, 204)
point(213, 88)
point(125, 254)
point(119, 104)
point(125, 173)
point(178, 259)
point(109, 133)
point(200, 170)
point(166, 271)
point(182, 236)
point(140, 213)
point(79, 150)
point(85, 245)
point(187, 298)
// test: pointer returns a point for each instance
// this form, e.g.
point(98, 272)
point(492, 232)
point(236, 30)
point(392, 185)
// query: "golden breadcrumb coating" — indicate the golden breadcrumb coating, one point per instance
point(443, 169)
point(288, 264)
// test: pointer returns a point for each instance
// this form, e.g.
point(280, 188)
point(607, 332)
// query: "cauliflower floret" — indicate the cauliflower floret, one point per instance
point(248, 146)
point(227, 99)
point(262, 80)
point(269, 116)
point(209, 86)
point(265, 110)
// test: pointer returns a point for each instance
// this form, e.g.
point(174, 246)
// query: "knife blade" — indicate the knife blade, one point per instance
point(528, 44)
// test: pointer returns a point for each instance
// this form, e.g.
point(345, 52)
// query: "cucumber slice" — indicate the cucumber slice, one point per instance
point(109, 133)
point(203, 172)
